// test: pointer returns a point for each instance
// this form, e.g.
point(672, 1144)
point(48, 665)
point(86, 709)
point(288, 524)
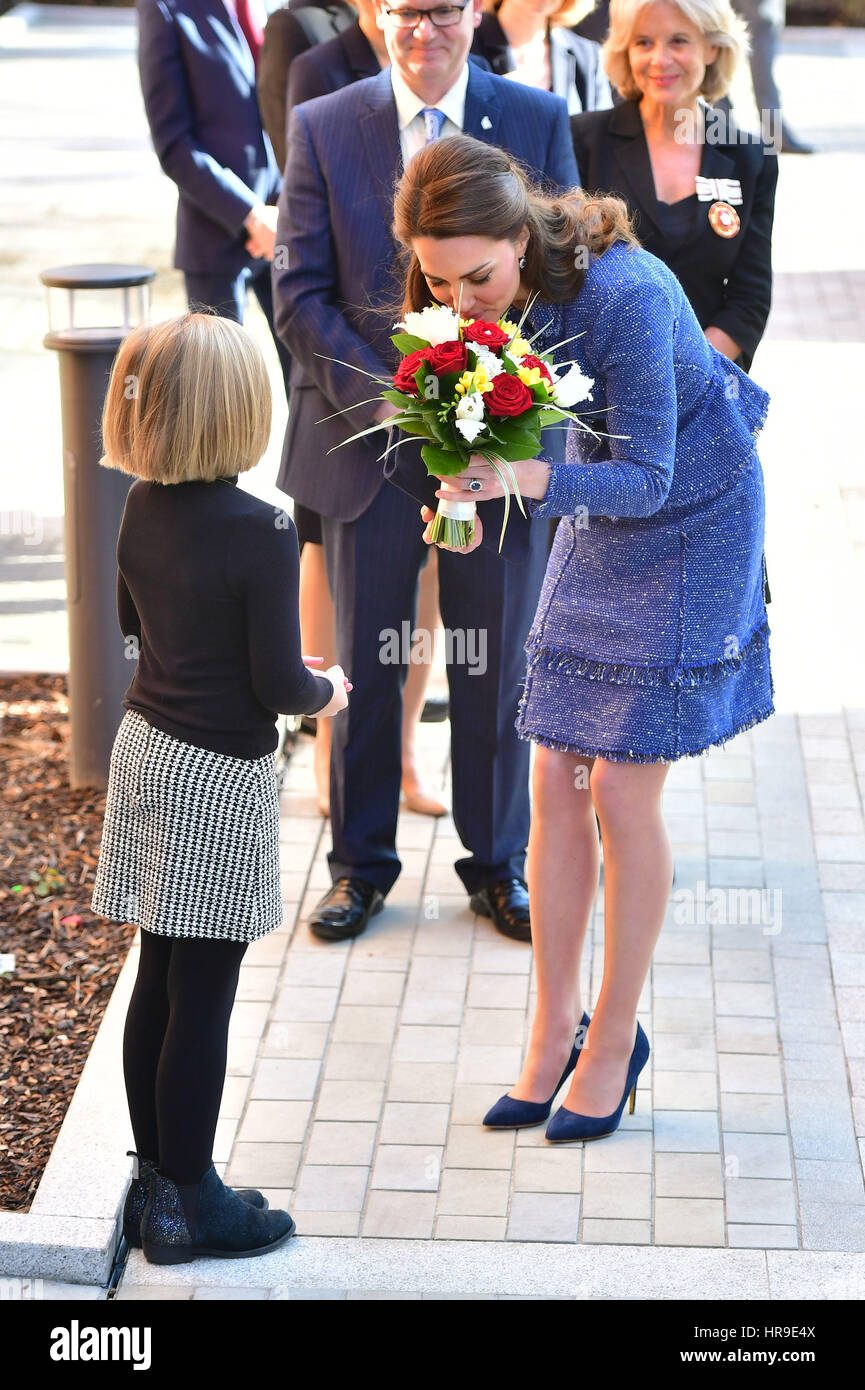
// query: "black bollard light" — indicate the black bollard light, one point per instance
point(91, 308)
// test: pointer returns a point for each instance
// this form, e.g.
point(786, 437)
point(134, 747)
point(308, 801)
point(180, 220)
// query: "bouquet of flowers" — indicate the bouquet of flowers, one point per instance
point(468, 386)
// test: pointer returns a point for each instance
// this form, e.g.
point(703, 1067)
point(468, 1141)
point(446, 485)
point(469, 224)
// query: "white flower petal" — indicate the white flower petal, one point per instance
point(469, 429)
point(487, 359)
point(433, 325)
point(572, 388)
point(471, 407)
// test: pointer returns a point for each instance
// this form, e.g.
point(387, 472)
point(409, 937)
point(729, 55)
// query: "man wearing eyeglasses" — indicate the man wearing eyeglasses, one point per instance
point(337, 290)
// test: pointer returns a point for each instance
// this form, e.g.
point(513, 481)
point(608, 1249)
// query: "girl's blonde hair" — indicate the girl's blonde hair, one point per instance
point(570, 13)
point(459, 186)
point(188, 401)
point(717, 22)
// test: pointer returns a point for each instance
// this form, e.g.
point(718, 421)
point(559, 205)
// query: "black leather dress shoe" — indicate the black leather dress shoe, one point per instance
point(507, 902)
point(436, 708)
point(345, 909)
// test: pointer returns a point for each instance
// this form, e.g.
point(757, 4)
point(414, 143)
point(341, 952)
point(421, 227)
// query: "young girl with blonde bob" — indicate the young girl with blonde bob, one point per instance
point(208, 609)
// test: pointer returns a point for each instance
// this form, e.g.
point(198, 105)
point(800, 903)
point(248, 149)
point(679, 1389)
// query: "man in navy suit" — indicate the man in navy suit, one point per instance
point(197, 62)
point(337, 291)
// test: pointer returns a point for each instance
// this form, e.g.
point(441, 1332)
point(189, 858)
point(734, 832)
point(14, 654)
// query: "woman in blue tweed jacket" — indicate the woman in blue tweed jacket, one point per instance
point(649, 642)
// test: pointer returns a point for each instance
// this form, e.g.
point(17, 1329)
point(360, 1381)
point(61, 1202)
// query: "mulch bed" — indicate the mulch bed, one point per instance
point(66, 958)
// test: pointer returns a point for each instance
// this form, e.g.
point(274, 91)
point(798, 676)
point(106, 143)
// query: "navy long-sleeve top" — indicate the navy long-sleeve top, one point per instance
point(207, 601)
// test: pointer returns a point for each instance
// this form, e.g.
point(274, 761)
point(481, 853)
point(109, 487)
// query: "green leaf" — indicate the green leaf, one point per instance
point(412, 426)
point(441, 461)
point(406, 343)
point(399, 398)
point(551, 415)
point(519, 444)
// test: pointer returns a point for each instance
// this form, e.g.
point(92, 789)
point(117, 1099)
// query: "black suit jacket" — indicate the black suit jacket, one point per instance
point(285, 37)
point(328, 67)
point(727, 280)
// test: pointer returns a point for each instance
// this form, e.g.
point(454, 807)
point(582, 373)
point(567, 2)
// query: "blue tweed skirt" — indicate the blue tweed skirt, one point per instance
point(650, 639)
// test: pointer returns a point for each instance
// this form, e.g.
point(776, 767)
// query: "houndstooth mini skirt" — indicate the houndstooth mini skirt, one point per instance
point(190, 841)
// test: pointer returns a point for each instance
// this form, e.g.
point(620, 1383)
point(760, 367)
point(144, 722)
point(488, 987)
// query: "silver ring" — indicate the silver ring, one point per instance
point(475, 485)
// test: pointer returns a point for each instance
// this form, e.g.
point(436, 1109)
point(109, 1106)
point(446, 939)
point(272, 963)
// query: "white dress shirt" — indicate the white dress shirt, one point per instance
point(412, 127)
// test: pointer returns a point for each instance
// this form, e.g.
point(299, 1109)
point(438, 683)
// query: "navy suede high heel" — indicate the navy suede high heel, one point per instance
point(510, 1113)
point(567, 1126)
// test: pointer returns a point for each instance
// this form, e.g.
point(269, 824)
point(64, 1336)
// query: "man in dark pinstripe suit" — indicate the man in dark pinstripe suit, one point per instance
point(334, 270)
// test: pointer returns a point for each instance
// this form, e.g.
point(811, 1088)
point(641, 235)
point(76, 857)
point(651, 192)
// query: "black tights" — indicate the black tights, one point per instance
point(174, 1049)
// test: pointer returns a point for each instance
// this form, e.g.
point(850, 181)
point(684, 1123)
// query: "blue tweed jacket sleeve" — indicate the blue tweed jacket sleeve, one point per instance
point(626, 344)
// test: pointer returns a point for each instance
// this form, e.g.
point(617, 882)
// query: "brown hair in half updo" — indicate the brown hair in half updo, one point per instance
point(460, 186)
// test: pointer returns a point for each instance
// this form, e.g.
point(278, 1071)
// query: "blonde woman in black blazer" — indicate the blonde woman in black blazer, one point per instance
point(703, 192)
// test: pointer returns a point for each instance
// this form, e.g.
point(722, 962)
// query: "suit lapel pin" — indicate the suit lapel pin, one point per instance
point(723, 219)
point(486, 123)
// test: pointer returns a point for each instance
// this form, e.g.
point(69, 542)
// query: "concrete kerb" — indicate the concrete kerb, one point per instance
point(71, 1230)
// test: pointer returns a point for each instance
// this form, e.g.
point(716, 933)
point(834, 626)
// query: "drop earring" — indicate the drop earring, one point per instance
point(522, 263)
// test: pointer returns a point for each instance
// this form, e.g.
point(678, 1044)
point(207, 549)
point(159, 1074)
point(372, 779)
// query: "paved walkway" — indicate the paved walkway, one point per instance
point(358, 1073)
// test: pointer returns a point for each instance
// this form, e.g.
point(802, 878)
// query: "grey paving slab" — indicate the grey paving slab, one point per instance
point(407, 1122)
point(626, 1196)
point(548, 1170)
point(473, 1192)
point(540, 1216)
point(263, 1164)
point(688, 1175)
point(340, 1141)
point(330, 1188)
point(409, 1215)
point(281, 1121)
point(689, 1221)
point(686, 1131)
point(762, 1237)
point(763, 1200)
point(408, 1167)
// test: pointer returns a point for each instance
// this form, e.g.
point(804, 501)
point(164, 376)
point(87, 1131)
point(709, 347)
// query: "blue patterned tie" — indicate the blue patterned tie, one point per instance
point(433, 120)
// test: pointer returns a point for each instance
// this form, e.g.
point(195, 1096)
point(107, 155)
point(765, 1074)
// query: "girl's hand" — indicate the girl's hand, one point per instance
point(428, 515)
point(341, 686)
point(532, 475)
point(311, 660)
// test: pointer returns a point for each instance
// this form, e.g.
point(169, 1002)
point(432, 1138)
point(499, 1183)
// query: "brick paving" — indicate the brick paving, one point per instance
point(358, 1073)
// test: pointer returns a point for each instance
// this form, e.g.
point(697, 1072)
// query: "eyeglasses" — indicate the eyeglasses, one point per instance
point(442, 16)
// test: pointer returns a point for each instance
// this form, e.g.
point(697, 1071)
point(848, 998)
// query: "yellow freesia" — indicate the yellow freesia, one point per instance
point(479, 379)
point(529, 376)
point(517, 347)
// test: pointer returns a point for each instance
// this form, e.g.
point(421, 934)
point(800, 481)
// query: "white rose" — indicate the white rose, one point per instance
point(433, 325)
point(572, 388)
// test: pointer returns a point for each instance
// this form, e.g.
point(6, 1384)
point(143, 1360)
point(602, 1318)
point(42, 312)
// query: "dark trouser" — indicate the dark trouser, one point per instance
point(227, 295)
point(765, 20)
point(487, 606)
point(175, 1044)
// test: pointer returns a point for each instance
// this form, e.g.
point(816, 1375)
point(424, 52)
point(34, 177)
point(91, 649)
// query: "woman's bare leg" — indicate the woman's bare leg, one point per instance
point(638, 875)
point(318, 639)
point(562, 867)
point(414, 690)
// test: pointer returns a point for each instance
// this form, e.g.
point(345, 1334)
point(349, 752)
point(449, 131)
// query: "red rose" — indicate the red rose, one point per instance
point(449, 357)
point(531, 361)
point(404, 375)
point(508, 397)
point(487, 333)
